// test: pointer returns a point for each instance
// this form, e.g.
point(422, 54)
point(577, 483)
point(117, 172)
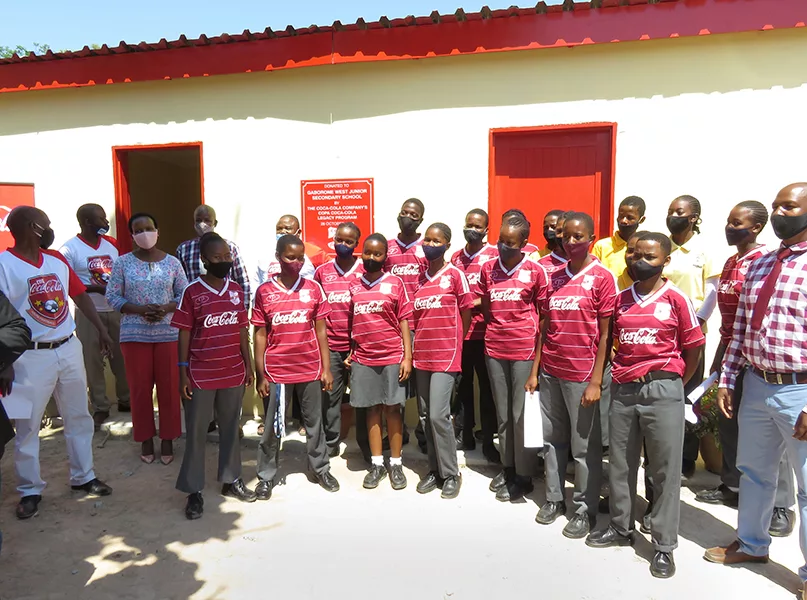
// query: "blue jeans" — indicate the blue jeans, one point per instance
point(767, 416)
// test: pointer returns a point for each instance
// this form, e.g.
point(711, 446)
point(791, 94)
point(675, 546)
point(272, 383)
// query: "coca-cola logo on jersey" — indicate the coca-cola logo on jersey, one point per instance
point(47, 300)
point(225, 318)
point(728, 287)
point(100, 268)
point(429, 303)
point(408, 269)
point(338, 297)
point(505, 295)
point(374, 306)
point(295, 317)
point(565, 303)
point(644, 335)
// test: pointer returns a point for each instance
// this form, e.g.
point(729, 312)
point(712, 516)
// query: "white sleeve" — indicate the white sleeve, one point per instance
point(308, 270)
point(709, 299)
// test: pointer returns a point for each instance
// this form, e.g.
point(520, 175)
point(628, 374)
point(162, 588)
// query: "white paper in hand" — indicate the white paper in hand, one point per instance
point(699, 391)
point(533, 422)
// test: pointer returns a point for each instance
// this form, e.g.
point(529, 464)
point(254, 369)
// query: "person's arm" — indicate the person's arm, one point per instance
point(709, 301)
point(718, 359)
point(593, 390)
point(182, 351)
point(84, 303)
point(240, 275)
point(733, 358)
point(116, 290)
point(466, 317)
point(325, 355)
point(179, 284)
point(691, 358)
point(406, 364)
point(259, 349)
point(15, 337)
point(532, 380)
point(245, 354)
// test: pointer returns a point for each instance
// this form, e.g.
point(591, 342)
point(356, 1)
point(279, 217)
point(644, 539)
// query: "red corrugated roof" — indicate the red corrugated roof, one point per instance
point(566, 25)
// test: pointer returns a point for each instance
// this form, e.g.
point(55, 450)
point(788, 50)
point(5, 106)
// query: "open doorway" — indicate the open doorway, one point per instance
point(166, 181)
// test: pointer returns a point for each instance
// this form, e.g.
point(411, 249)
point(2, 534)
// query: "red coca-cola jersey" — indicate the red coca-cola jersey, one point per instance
point(292, 352)
point(515, 297)
point(652, 332)
point(407, 263)
point(215, 319)
point(552, 263)
point(728, 289)
point(437, 306)
point(336, 284)
point(377, 309)
point(573, 311)
point(471, 265)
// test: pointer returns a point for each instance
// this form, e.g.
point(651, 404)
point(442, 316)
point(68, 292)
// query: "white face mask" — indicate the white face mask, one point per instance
point(146, 239)
point(203, 228)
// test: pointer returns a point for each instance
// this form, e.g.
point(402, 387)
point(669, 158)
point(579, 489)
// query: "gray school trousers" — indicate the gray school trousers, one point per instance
point(568, 424)
point(435, 391)
point(332, 401)
point(652, 411)
point(198, 414)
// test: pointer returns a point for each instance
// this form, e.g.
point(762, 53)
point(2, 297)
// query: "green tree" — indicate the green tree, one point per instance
point(8, 51)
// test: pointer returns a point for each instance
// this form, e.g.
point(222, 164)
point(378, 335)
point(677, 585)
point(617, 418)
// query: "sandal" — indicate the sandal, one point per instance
point(167, 459)
point(261, 429)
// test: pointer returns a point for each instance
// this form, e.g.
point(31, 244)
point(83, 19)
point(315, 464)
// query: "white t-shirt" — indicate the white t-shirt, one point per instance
point(39, 293)
point(92, 264)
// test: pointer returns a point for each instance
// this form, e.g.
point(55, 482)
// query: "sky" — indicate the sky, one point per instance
point(72, 25)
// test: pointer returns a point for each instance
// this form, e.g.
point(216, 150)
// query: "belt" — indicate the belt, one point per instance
point(781, 378)
point(656, 376)
point(49, 345)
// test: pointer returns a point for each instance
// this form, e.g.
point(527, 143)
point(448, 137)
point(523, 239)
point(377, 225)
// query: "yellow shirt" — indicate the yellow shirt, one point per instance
point(541, 253)
point(690, 266)
point(624, 281)
point(611, 253)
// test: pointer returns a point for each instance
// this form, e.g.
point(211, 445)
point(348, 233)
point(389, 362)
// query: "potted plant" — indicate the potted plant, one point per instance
point(706, 429)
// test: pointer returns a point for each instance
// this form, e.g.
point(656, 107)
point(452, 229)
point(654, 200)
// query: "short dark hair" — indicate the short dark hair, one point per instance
point(84, 210)
point(521, 224)
point(377, 237)
point(482, 213)
point(513, 212)
point(555, 212)
point(663, 241)
point(207, 240)
point(635, 202)
point(352, 226)
point(287, 240)
point(695, 205)
point(638, 234)
point(442, 227)
point(758, 211)
point(584, 218)
point(142, 215)
point(417, 203)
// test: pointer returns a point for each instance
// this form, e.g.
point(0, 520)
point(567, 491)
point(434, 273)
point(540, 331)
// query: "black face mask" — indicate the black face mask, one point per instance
point(408, 224)
point(786, 227)
point(507, 253)
point(219, 269)
point(372, 266)
point(473, 236)
point(550, 235)
point(626, 231)
point(46, 238)
point(641, 270)
point(677, 224)
point(736, 236)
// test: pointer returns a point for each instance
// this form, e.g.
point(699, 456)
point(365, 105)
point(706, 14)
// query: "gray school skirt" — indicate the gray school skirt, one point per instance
point(373, 386)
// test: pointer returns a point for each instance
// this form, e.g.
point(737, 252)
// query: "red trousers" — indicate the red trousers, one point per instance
point(148, 365)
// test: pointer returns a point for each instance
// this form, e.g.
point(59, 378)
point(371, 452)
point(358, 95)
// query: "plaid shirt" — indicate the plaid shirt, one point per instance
point(188, 255)
point(780, 345)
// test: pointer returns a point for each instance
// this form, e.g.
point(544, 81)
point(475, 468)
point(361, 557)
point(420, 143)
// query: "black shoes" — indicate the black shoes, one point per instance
point(451, 487)
point(687, 472)
point(550, 512)
point(499, 481)
point(238, 490)
point(430, 482)
point(491, 454)
point(515, 489)
point(719, 495)
point(98, 418)
point(466, 445)
point(125, 408)
point(396, 477)
point(644, 526)
point(263, 491)
point(662, 565)
point(333, 452)
point(375, 476)
point(28, 507)
point(194, 507)
point(579, 527)
point(96, 487)
point(328, 482)
point(782, 522)
point(608, 538)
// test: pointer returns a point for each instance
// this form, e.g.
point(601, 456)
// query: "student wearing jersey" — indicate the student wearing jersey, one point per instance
point(610, 251)
point(556, 259)
point(625, 279)
point(529, 248)
point(267, 266)
point(442, 316)
point(512, 287)
point(406, 261)
point(572, 357)
point(214, 368)
point(660, 340)
point(550, 233)
point(38, 282)
point(91, 254)
point(291, 351)
point(335, 277)
point(470, 261)
point(381, 357)
point(745, 222)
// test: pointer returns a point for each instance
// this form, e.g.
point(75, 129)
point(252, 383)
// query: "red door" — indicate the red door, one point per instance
point(11, 196)
point(540, 169)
